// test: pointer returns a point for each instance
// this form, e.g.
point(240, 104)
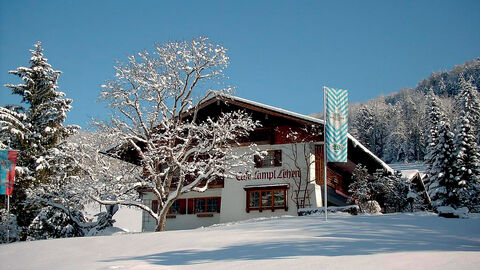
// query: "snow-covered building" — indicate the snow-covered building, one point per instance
point(288, 177)
point(414, 175)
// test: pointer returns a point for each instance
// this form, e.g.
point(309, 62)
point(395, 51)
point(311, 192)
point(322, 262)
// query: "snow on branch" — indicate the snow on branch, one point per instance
point(156, 121)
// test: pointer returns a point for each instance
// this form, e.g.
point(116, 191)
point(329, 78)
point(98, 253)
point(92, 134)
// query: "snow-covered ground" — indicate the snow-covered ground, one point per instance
point(126, 218)
point(395, 241)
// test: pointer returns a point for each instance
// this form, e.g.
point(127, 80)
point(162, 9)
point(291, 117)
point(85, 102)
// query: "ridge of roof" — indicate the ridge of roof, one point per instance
point(272, 108)
point(304, 117)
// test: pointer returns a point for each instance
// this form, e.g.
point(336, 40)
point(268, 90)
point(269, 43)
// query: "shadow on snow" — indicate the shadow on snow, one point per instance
point(386, 236)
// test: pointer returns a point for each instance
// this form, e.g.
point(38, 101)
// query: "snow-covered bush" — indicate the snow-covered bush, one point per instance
point(371, 207)
point(361, 190)
point(8, 222)
point(383, 188)
point(52, 223)
point(450, 212)
point(390, 190)
point(417, 200)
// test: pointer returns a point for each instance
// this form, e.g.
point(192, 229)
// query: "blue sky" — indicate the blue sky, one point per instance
point(281, 52)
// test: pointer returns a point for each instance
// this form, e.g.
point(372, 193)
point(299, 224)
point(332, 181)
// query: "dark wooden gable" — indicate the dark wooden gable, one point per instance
point(275, 128)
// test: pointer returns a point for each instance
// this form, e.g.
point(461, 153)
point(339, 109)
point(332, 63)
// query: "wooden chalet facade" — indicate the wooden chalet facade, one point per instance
point(290, 176)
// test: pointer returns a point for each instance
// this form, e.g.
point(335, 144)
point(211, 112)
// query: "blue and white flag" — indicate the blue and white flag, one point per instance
point(336, 127)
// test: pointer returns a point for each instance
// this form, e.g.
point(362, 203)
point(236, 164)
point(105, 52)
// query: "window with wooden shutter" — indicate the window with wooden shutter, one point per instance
point(191, 208)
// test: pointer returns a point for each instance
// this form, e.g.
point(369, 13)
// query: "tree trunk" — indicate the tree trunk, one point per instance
point(161, 222)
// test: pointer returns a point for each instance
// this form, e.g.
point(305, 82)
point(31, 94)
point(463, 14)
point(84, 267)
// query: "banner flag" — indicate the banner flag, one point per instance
point(8, 160)
point(336, 127)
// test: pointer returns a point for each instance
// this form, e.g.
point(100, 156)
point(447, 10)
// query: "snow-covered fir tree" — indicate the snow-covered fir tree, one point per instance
point(435, 115)
point(34, 130)
point(390, 190)
point(469, 99)
point(440, 160)
point(363, 126)
point(12, 125)
point(468, 153)
point(360, 188)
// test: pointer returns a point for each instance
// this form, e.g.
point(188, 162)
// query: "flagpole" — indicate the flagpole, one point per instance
point(325, 153)
point(8, 219)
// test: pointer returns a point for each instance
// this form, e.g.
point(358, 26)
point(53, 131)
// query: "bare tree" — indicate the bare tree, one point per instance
point(155, 100)
point(302, 158)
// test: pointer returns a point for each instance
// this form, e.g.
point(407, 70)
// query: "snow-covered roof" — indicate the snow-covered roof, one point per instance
point(409, 174)
point(272, 108)
point(419, 166)
point(365, 149)
point(355, 142)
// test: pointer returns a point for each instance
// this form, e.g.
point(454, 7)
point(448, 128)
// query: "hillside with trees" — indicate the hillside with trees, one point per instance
point(394, 126)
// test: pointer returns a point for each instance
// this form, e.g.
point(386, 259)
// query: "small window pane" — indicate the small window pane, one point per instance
point(266, 199)
point(200, 206)
point(254, 199)
point(175, 208)
point(212, 205)
point(279, 198)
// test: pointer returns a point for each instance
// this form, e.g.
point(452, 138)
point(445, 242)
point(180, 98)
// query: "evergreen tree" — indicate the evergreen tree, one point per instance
point(390, 190)
point(468, 99)
point(435, 115)
point(468, 154)
point(364, 126)
point(359, 188)
point(37, 128)
point(443, 188)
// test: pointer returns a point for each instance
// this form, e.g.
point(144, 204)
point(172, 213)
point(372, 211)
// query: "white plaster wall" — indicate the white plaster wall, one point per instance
point(234, 195)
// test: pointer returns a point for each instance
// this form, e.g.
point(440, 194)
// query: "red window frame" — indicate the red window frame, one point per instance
point(181, 206)
point(192, 204)
point(272, 205)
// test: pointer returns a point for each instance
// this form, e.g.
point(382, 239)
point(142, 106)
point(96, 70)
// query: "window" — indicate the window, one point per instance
point(267, 198)
point(204, 205)
point(178, 207)
point(272, 159)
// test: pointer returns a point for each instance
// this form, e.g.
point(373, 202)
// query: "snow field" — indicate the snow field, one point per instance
point(394, 241)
